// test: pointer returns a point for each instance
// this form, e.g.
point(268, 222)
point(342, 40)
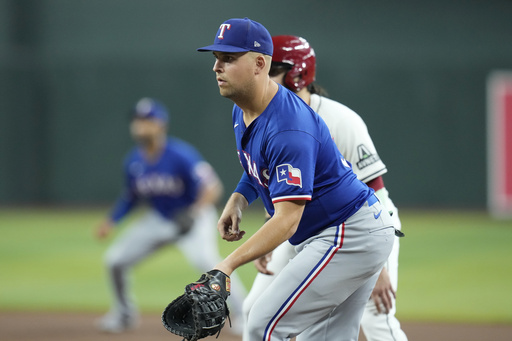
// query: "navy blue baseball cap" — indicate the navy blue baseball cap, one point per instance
point(241, 35)
point(152, 109)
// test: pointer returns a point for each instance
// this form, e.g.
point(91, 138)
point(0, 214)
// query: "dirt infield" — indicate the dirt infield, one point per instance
point(80, 327)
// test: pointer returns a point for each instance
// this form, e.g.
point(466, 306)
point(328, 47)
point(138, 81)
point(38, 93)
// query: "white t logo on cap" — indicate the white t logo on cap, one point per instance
point(223, 28)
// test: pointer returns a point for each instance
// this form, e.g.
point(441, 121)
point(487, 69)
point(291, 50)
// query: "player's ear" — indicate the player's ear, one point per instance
point(262, 64)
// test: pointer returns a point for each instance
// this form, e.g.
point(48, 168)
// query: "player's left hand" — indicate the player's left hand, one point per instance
point(262, 263)
point(104, 229)
point(383, 292)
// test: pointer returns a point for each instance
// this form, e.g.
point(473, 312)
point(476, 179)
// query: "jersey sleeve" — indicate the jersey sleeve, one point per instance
point(353, 140)
point(291, 156)
point(246, 188)
point(194, 172)
point(123, 205)
point(126, 201)
point(204, 172)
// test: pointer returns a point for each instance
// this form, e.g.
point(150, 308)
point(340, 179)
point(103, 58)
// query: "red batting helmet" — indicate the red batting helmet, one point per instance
point(296, 52)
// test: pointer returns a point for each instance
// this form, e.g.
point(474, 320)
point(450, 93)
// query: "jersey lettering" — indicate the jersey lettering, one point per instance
point(266, 176)
point(252, 169)
point(159, 184)
point(239, 159)
point(223, 28)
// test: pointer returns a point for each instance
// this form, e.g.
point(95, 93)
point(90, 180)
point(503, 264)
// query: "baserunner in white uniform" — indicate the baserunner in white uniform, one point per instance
point(294, 66)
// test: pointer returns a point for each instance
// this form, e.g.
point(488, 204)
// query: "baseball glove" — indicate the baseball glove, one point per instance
point(202, 310)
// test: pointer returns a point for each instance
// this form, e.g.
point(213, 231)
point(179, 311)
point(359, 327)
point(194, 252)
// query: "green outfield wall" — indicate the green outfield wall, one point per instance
point(415, 71)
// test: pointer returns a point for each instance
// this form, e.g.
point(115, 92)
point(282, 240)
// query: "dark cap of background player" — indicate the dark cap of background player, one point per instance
point(241, 35)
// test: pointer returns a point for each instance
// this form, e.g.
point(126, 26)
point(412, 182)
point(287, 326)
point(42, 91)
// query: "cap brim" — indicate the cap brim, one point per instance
point(222, 48)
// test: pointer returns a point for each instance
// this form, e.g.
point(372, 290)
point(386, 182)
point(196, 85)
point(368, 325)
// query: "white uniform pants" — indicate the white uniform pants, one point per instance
point(385, 327)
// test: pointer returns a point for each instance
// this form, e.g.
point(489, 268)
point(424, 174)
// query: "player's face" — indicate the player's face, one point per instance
point(146, 132)
point(235, 73)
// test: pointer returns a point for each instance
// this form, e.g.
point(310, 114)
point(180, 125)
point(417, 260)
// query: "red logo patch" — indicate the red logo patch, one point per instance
point(228, 284)
point(195, 287)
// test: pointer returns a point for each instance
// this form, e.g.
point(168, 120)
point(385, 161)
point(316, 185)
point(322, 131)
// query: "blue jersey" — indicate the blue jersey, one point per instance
point(168, 184)
point(288, 154)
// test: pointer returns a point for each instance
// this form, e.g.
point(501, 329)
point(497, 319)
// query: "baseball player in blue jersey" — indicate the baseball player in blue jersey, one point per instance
point(293, 65)
point(340, 230)
point(181, 190)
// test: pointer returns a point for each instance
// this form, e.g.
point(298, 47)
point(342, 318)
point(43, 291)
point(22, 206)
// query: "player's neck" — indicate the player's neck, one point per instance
point(153, 151)
point(258, 102)
point(305, 95)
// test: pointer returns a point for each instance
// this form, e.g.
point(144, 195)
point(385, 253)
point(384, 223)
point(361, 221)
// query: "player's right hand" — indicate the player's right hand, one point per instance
point(231, 217)
point(262, 262)
point(228, 227)
point(383, 293)
point(228, 224)
point(104, 229)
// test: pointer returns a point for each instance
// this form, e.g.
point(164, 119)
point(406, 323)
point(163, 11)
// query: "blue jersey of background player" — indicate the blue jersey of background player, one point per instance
point(169, 184)
point(294, 158)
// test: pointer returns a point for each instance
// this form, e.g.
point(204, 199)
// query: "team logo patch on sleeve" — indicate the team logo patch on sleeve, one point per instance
point(291, 175)
point(366, 158)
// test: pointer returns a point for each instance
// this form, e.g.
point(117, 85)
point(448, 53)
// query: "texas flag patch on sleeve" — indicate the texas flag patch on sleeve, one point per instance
point(292, 176)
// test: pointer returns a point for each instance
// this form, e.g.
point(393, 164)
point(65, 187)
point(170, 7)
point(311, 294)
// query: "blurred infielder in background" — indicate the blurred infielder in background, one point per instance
point(181, 190)
point(293, 65)
point(342, 233)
